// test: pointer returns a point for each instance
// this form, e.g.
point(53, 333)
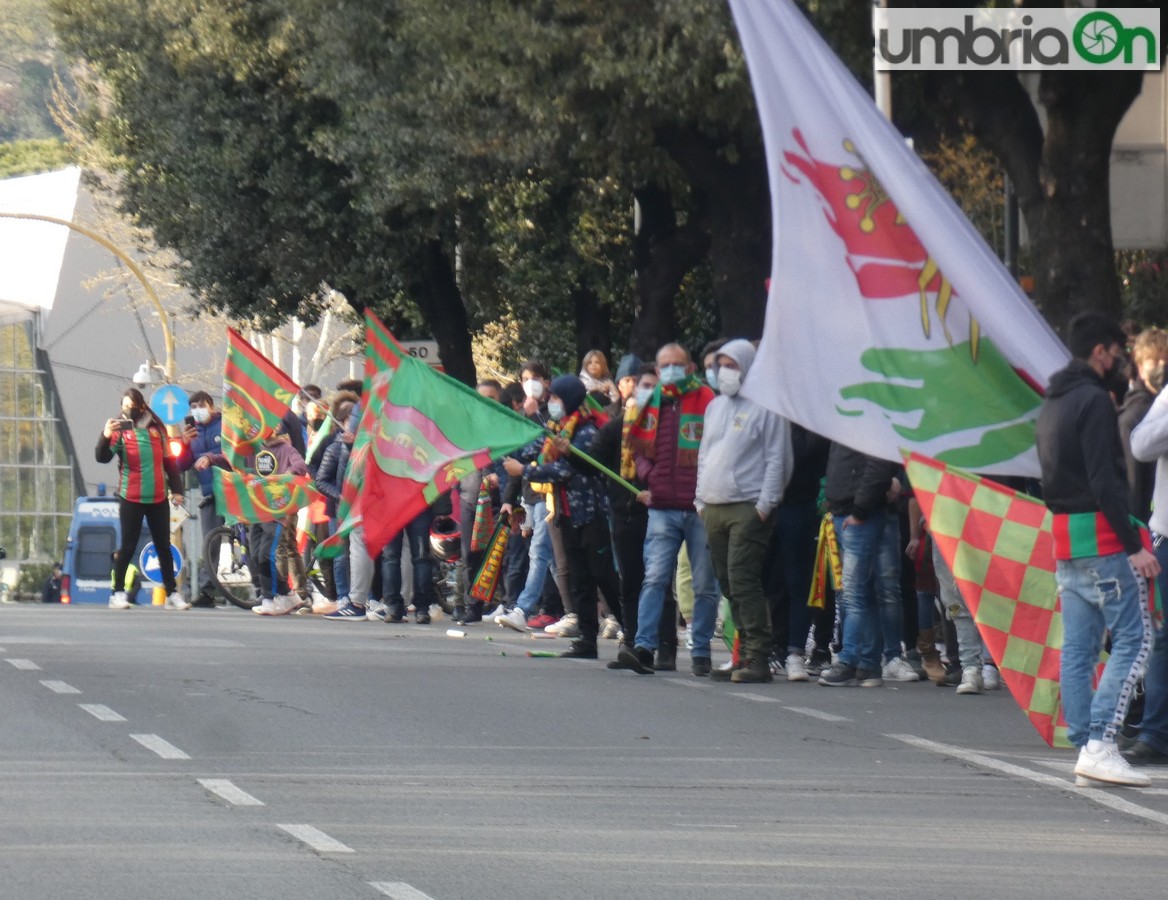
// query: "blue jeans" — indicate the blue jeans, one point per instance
point(1154, 727)
point(1097, 593)
point(887, 585)
point(340, 564)
point(417, 532)
point(859, 545)
point(540, 560)
point(667, 529)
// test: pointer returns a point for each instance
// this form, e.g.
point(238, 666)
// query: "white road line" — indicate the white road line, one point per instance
point(165, 749)
point(1102, 797)
point(757, 698)
point(816, 714)
point(102, 713)
point(701, 686)
point(399, 890)
point(229, 792)
point(22, 664)
point(60, 687)
point(316, 839)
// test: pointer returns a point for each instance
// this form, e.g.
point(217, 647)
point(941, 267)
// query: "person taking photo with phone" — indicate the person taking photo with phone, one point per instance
point(146, 469)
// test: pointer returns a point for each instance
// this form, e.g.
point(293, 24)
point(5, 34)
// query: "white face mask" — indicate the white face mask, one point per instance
point(201, 414)
point(555, 410)
point(643, 396)
point(533, 387)
point(729, 381)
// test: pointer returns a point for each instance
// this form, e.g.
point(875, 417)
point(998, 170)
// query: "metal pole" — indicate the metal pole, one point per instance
point(881, 81)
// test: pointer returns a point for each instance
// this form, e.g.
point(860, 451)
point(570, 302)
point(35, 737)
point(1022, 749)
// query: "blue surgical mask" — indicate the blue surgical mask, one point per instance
point(712, 378)
point(555, 410)
point(643, 396)
point(672, 374)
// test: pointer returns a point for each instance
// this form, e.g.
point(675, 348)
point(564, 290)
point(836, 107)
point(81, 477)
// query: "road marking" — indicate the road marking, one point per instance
point(816, 714)
point(60, 687)
point(701, 825)
point(229, 792)
point(757, 698)
point(22, 664)
point(165, 749)
point(1100, 796)
point(689, 684)
point(102, 713)
point(316, 839)
point(399, 890)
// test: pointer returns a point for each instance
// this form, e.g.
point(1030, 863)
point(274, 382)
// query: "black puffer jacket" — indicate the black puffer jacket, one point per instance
point(857, 484)
point(1080, 452)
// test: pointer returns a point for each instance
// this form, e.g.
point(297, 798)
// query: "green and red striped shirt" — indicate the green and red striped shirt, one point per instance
point(141, 454)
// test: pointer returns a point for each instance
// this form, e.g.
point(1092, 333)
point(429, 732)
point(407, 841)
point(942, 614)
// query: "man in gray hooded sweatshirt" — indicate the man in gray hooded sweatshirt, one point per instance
point(744, 464)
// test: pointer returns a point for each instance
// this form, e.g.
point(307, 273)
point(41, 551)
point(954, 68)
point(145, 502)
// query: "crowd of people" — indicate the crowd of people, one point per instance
point(714, 522)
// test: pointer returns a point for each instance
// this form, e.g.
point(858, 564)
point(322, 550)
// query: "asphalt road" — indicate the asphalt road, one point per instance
point(214, 753)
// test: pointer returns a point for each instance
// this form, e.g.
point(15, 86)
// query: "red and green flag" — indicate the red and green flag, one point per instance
point(256, 396)
point(999, 544)
point(247, 498)
point(382, 349)
point(425, 431)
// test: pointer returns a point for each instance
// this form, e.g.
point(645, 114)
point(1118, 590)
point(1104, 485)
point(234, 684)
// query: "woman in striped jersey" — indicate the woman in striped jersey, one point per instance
point(145, 467)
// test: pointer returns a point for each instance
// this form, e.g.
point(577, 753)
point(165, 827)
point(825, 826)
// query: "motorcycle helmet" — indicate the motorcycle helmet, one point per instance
point(445, 541)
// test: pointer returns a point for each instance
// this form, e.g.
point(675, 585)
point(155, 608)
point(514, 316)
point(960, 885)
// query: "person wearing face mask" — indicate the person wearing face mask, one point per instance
point(1101, 564)
point(145, 469)
point(1149, 357)
point(744, 464)
point(709, 356)
point(665, 440)
point(198, 440)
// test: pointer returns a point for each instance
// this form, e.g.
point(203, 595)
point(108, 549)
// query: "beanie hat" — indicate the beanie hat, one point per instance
point(628, 367)
point(570, 389)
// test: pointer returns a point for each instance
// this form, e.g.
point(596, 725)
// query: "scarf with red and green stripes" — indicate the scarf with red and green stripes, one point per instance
point(694, 396)
point(141, 456)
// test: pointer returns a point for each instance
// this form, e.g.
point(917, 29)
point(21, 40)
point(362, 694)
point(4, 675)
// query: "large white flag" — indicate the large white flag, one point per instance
point(890, 324)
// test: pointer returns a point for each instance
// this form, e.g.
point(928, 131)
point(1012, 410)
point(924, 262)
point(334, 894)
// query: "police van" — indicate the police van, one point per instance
point(94, 534)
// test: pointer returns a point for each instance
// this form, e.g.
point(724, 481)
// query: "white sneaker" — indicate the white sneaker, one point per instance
point(322, 605)
point(266, 607)
point(516, 620)
point(284, 604)
point(899, 670)
point(119, 601)
point(1101, 761)
point(796, 667)
point(376, 611)
point(609, 629)
point(567, 627)
point(991, 678)
point(971, 682)
point(176, 601)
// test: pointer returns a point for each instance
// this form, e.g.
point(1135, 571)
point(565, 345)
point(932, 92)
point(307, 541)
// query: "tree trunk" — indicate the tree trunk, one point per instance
point(440, 302)
point(593, 324)
point(1062, 176)
point(737, 197)
point(663, 255)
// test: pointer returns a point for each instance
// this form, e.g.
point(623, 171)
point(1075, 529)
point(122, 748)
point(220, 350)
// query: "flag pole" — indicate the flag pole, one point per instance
point(605, 469)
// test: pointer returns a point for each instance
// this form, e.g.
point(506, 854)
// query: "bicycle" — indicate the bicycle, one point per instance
point(228, 557)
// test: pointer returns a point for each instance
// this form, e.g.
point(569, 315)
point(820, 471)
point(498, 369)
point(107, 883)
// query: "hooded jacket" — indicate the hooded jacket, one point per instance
point(1080, 452)
point(745, 454)
point(1149, 445)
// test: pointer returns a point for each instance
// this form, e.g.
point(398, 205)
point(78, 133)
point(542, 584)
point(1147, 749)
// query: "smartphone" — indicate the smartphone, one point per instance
point(190, 420)
point(125, 424)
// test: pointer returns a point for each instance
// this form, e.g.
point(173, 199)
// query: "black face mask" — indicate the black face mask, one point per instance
point(1116, 378)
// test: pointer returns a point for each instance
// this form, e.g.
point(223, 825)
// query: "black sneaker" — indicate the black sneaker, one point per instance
point(580, 650)
point(421, 618)
point(204, 601)
point(638, 659)
point(666, 659)
point(869, 678)
point(700, 666)
point(839, 675)
point(1144, 754)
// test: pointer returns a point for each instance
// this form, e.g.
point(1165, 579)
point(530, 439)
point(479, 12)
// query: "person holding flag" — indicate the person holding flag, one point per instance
point(1102, 567)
